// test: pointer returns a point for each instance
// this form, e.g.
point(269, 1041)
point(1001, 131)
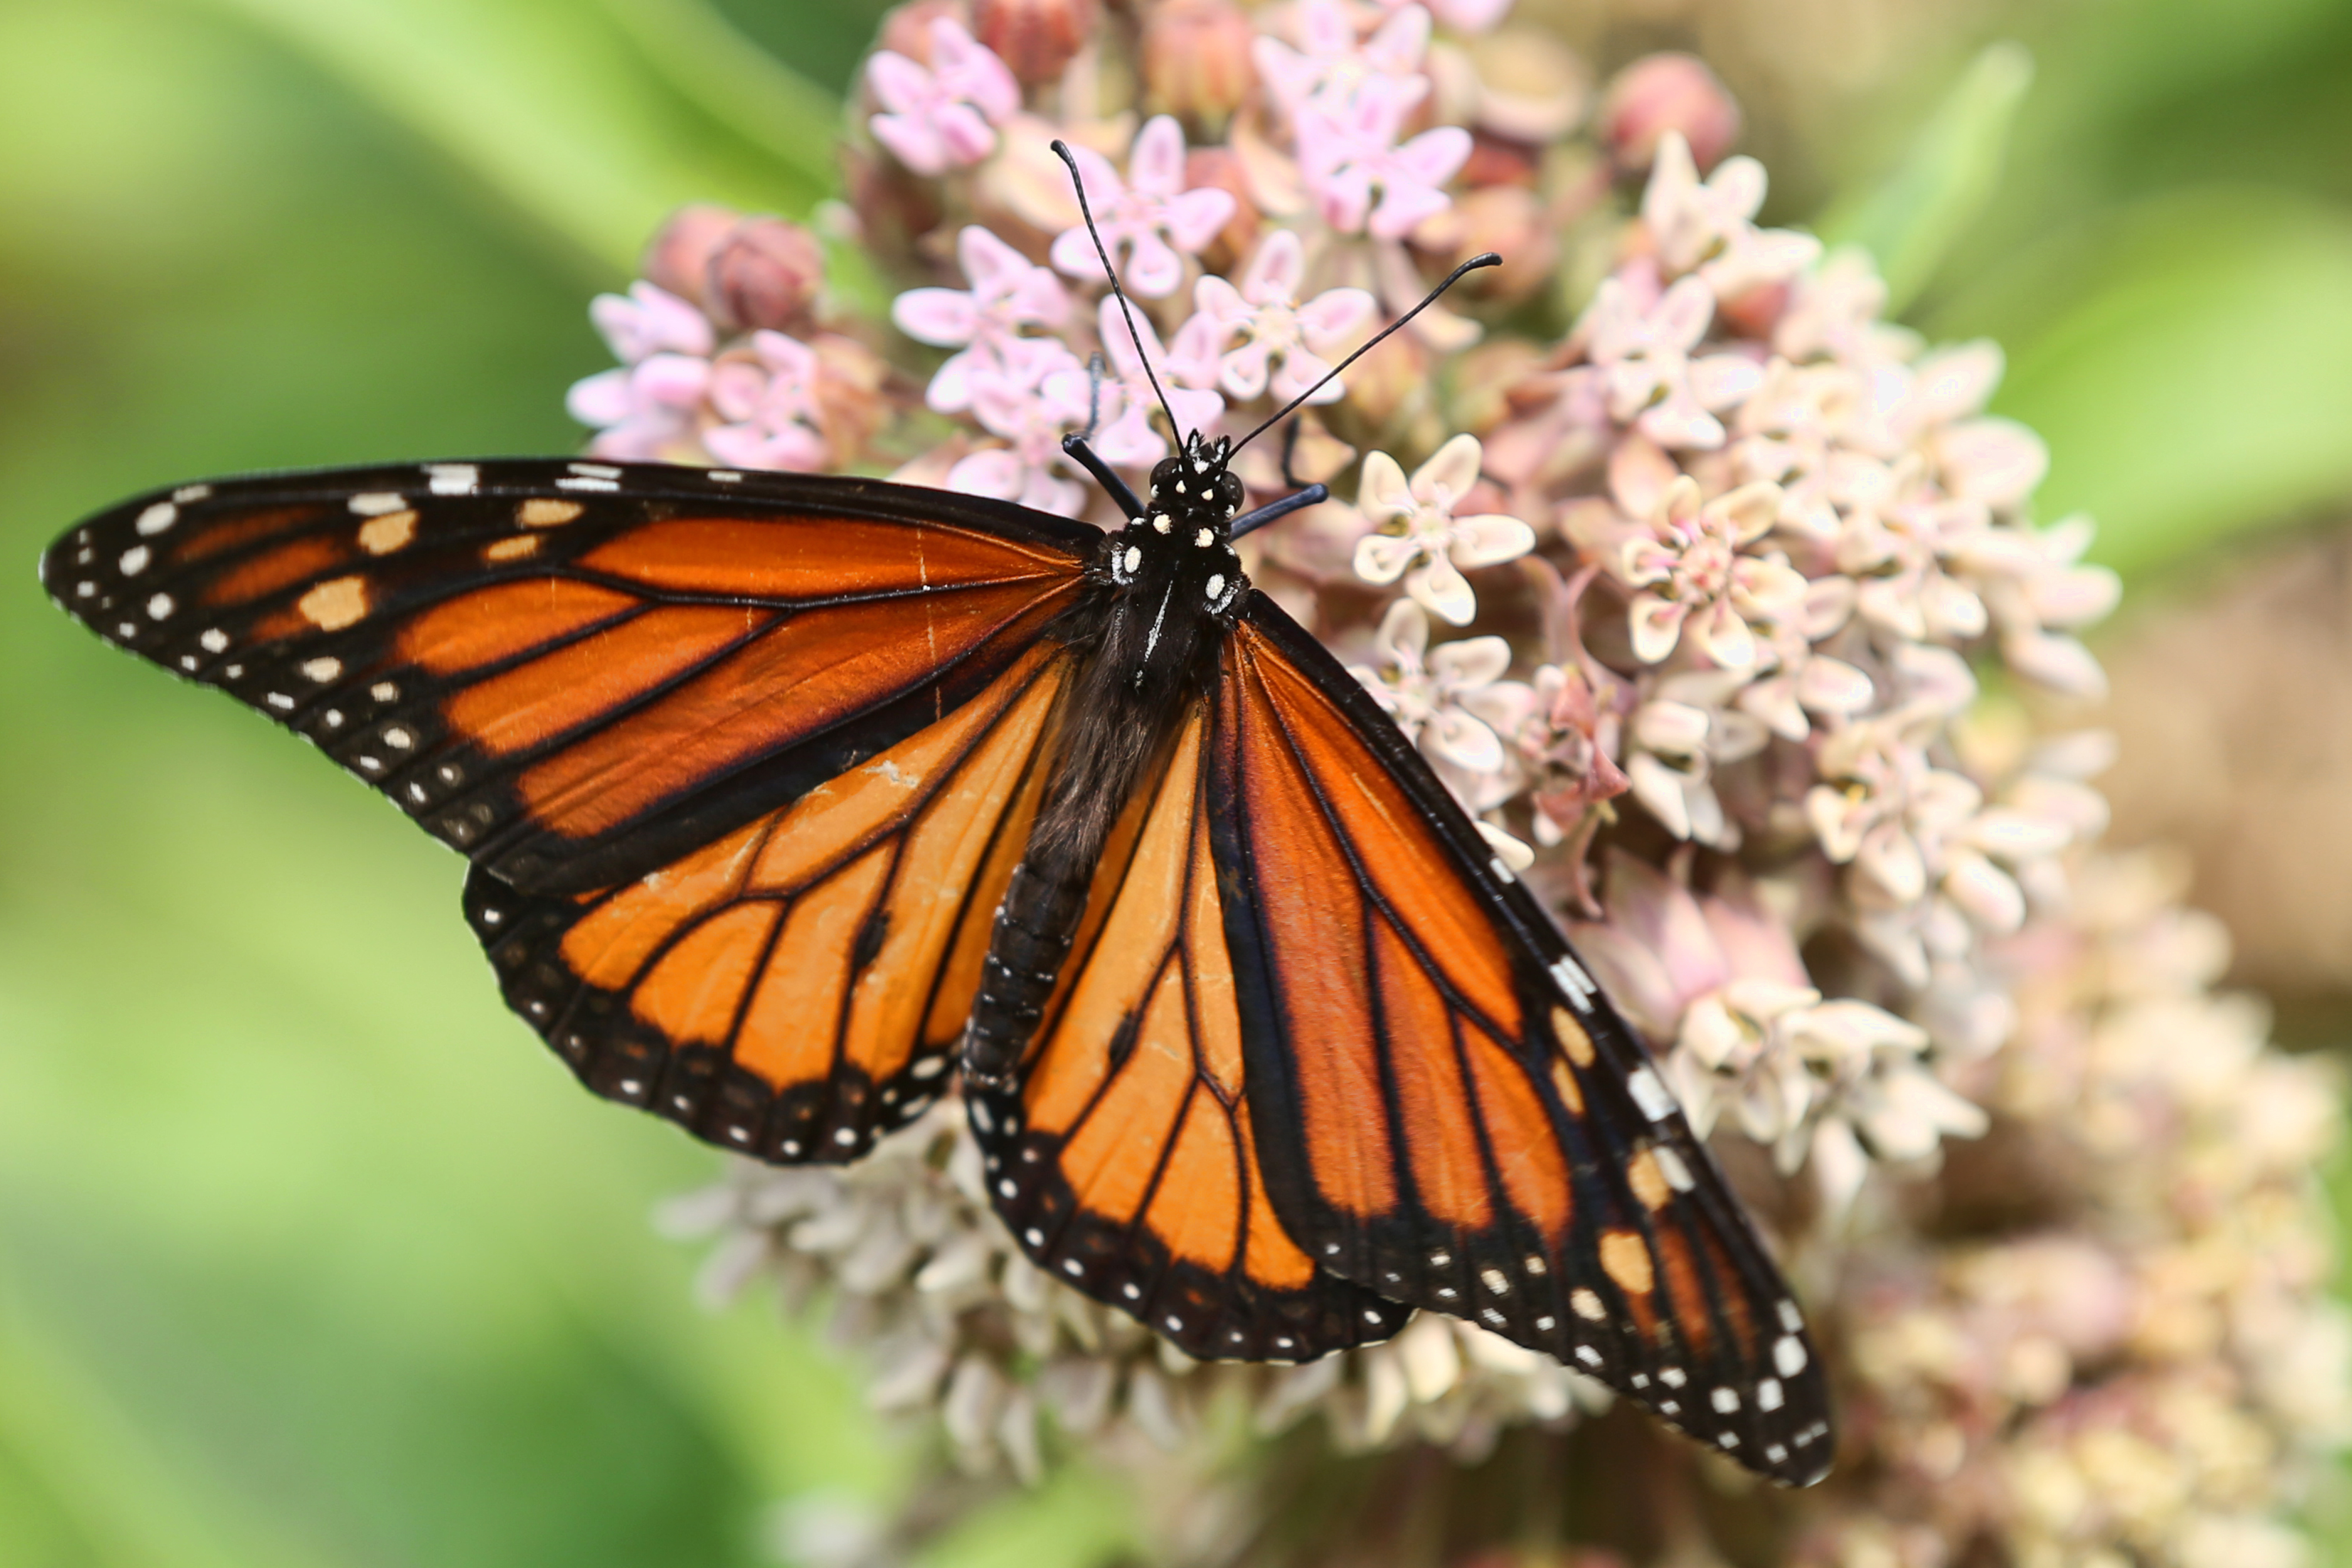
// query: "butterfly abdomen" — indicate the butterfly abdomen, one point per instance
point(1032, 940)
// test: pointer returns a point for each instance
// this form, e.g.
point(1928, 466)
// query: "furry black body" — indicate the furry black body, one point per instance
point(1144, 640)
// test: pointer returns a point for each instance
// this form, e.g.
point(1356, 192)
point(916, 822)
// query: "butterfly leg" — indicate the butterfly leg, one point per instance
point(1105, 475)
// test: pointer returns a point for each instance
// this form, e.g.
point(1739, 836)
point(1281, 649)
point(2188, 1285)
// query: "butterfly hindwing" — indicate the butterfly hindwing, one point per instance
point(1449, 1111)
point(798, 986)
point(575, 673)
point(1126, 1162)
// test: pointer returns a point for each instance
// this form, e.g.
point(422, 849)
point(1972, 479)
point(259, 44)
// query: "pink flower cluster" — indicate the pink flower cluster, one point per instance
point(1689, 604)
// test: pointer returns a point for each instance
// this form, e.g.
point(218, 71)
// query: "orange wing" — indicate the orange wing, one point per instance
point(799, 985)
point(1448, 1111)
point(577, 673)
point(1126, 1161)
point(743, 761)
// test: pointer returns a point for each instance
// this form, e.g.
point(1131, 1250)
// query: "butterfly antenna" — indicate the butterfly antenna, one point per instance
point(1452, 278)
point(1062, 151)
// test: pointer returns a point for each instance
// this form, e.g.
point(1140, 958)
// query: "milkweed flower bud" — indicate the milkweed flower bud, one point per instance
point(1036, 37)
point(766, 274)
point(1196, 59)
point(1663, 92)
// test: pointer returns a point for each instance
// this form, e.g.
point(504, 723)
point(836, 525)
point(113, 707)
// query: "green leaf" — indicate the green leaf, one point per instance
point(592, 121)
point(2188, 359)
point(1911, 220)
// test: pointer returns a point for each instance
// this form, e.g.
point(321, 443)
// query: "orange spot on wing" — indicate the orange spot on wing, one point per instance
point(1625, 1261)
point(265, 574)
point(788, 1034)
point(1572, 1037)
point(384, 534)
point(816, 558)
point(1196, 1210)
point(492, 625)
point(1109, 1162)
point(692, 991)
point(550, 696)
point(335, 604)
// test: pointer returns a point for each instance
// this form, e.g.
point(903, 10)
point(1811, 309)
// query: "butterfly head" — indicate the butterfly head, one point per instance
point(1182, 544)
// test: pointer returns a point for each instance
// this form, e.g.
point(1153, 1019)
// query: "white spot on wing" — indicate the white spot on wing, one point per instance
point(376, 503)
point(1650, 1093)
point(160, 606)
point(1789, 1355)
point(1573, 979)
point(135, 560)
point(451, 478)
point(157, 519)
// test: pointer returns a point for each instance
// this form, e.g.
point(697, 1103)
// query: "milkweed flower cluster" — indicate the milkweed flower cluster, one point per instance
point(1686, 587)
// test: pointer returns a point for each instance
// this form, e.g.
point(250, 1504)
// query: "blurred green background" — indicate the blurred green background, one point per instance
point(308, 1256)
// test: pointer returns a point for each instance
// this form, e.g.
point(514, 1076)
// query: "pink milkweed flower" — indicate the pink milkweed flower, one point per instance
point(648, 321)
point(1348, 152)
point(1708, 228)
point(644, 412)
point(770, 404)
point(647, 409)
point(1008, 292)
point(1149, 212)
point(1331, 66)
point(1031, 416)
point(1691, 579)
point(1277, 331)
point(1641, 339)
point(1126, 439)
point(1451, 701)
point(1461, 15)
point(1418, 537)
point(944, 116)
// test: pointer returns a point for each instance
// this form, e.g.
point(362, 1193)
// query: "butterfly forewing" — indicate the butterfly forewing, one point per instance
point(1126, 1163)
point(575, 673)
point(1450, 1114)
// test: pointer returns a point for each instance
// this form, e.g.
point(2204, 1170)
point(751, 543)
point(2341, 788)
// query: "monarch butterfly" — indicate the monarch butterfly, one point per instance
point(787, 796)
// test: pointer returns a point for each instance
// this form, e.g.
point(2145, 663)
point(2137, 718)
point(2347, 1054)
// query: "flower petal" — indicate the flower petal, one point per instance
point(1489, 538)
